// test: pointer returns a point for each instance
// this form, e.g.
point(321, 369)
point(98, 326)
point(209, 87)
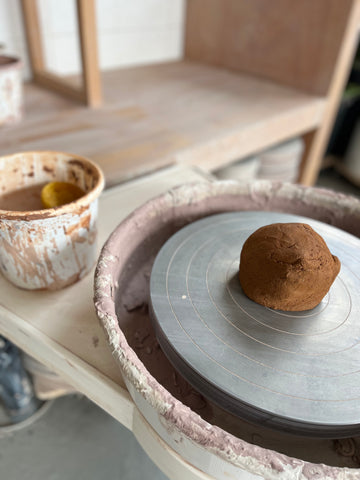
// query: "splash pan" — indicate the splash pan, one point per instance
point(204, 434)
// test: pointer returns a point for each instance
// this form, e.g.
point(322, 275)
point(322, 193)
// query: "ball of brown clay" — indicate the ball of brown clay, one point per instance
point(287, 266)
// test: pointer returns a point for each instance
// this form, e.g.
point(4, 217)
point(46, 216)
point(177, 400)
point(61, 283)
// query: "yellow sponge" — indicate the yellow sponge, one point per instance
point(55, 194)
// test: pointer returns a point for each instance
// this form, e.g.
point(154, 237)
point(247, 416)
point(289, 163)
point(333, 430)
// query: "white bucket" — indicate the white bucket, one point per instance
point(54, 247)
point(11, 90)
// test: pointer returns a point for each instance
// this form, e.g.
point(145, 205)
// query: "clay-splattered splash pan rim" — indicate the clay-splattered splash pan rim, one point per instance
point(83, 201)
point(198, 201)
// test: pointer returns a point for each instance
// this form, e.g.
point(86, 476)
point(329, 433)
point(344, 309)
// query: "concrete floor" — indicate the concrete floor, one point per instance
point(75, 439)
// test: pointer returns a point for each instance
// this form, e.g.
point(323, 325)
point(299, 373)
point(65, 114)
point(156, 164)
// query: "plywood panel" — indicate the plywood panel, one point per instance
point(204, 31)
point(291, 42)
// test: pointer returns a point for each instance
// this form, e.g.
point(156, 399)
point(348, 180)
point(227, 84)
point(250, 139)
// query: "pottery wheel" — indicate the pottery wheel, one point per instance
point(294, 371)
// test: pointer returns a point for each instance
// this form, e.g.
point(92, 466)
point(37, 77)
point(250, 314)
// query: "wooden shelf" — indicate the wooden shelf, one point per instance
point(158, 115)
point(261, 78)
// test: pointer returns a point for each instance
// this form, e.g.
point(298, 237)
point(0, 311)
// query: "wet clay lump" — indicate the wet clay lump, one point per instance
point(287, 266)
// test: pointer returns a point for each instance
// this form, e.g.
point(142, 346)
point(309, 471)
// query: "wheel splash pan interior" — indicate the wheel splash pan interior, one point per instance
point(198, 430)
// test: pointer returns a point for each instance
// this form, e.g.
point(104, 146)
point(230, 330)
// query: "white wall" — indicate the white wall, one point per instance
point(11, 31)
point(130, 32)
